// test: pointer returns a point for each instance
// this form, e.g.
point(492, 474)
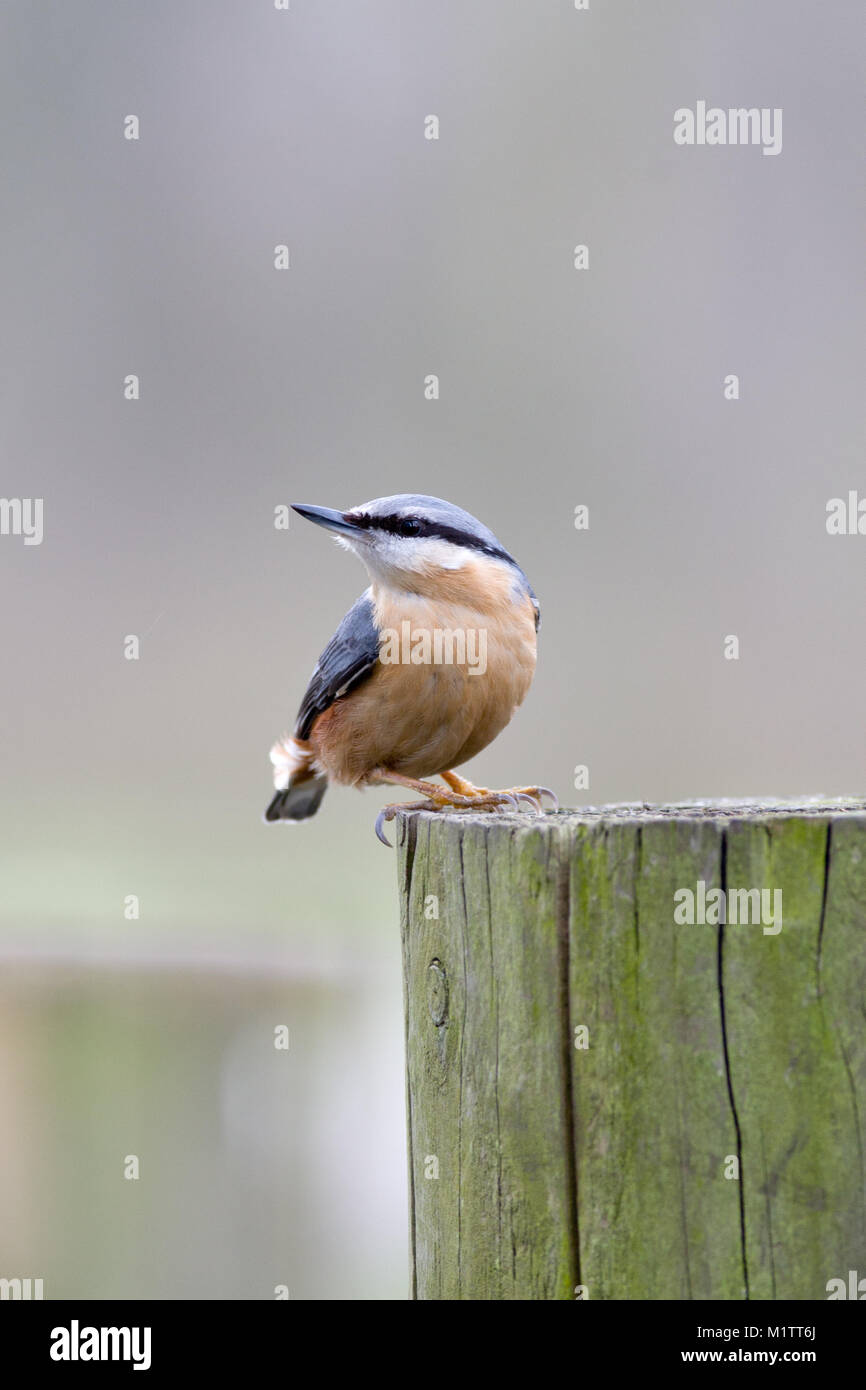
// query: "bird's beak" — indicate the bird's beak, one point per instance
point(331, 520)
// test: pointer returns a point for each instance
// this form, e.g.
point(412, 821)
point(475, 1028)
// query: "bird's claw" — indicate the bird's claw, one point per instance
point(387, 813)
point(532, 795)
point(545, 791)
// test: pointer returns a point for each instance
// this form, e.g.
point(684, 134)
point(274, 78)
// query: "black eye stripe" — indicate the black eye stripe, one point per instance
point(439, 531)
point(424, 528)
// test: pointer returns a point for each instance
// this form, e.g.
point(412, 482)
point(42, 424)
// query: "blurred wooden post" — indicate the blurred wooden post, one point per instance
point(604, 1100)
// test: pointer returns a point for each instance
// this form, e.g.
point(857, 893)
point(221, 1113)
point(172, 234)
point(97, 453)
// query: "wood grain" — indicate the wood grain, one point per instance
point(605, 1102)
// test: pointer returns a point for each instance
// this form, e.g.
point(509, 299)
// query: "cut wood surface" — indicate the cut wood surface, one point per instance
point(608, 1101)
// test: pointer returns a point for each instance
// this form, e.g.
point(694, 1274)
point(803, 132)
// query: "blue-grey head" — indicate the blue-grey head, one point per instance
point(410, 537)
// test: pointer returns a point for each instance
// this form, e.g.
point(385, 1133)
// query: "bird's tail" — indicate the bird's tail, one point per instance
point(299, 801)
point(299, 788)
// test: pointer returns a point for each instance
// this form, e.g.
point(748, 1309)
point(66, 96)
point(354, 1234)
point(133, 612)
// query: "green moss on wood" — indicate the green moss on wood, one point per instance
point(709, 1046)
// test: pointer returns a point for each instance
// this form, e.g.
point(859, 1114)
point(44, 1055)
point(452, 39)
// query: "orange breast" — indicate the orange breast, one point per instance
point(423, 718)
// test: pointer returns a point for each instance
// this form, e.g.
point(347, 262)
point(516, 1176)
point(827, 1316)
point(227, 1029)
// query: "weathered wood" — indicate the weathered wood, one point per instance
point(708, 1141)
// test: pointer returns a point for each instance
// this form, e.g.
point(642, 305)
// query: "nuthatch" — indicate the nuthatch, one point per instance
point(424, 670)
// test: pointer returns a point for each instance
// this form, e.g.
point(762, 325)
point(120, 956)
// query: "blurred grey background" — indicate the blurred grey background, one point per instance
point(601, 387)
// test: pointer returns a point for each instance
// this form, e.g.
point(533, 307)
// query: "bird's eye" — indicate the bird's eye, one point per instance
point(410, 526)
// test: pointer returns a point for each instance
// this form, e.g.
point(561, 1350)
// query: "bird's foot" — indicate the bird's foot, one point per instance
point(444, 800)
point(459, 795)
point(481, 795)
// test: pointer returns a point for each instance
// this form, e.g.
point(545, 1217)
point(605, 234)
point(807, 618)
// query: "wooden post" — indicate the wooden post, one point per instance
point(606, 1101)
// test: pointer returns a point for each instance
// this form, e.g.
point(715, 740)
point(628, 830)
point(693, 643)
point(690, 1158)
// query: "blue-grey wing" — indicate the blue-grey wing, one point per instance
point(349, 658)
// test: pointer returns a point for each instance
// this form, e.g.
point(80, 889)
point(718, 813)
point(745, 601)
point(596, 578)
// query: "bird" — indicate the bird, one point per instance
point(424, 671)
